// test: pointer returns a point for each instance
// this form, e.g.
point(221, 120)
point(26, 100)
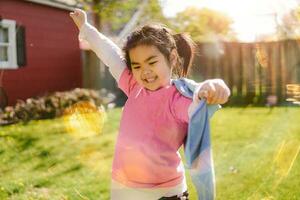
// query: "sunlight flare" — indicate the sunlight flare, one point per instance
point(83, 119)
point(252, 19)
point(285, 158)
point(293, 93)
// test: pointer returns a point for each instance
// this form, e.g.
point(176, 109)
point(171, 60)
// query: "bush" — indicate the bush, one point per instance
point(49, 106)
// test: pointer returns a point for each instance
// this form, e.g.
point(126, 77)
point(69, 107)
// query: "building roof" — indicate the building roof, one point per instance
point(62, 4)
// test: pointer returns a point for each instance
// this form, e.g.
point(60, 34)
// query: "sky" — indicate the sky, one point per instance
point(252, 18)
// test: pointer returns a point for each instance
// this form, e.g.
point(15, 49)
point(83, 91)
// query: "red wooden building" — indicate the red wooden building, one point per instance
point(39, 49)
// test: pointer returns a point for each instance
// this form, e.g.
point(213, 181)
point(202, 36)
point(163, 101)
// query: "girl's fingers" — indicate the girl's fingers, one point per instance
point(77, 12)
point(213, 99)
point(215, 91)
point(203, 94)
point(215, 95)
point(211, 92)
point(72, 14)
point(224, 97)
point(206, 91)
point(212, 88)
point(219, 96)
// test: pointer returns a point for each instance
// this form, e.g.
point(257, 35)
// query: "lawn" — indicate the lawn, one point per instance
point(255, 153)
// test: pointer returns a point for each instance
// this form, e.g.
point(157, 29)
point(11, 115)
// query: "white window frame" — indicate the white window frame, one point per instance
point(12, 48)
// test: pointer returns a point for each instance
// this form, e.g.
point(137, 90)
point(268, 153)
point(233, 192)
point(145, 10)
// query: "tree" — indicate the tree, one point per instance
point(203, 24)
point(289, 24)
point(115, 14)
point(153, 12)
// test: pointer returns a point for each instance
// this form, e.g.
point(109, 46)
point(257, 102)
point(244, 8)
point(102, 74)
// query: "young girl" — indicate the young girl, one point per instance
point(147, 165)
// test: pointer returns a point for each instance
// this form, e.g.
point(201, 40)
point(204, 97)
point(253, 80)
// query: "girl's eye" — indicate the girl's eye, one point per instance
point(152, 63)
point(136, 67)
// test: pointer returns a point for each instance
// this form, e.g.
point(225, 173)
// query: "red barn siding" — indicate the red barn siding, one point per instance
point(52, 51)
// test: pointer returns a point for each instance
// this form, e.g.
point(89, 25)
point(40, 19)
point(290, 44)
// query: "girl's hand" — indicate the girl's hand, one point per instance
point(79, 17)
point(214, 90)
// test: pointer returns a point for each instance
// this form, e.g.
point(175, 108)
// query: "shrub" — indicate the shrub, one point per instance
point(51, 105)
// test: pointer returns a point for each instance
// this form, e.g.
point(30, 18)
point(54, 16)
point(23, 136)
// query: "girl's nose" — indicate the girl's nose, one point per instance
point(146, 71)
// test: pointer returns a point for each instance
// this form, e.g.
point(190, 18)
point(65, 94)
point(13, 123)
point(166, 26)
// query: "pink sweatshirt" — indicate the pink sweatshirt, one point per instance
point(153, 127)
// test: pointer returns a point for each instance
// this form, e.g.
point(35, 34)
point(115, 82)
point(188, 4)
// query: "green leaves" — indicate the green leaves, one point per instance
point(203, 24)
point(115, 14)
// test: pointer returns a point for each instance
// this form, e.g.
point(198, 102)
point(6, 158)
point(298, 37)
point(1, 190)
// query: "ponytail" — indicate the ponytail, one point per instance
point(186, 50)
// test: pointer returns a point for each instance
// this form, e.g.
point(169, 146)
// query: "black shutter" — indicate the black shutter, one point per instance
point(3, 98)
point(21, 46)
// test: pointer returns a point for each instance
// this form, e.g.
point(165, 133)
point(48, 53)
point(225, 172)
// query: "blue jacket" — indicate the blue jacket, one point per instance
point(197, 147)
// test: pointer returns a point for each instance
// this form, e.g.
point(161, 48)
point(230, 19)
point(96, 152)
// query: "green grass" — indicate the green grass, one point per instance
point(40, 161)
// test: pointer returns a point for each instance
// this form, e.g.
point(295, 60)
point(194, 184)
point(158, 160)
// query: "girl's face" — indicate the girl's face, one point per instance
point(150, 67)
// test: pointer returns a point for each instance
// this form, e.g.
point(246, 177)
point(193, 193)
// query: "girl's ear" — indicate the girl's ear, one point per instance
point(173, 58)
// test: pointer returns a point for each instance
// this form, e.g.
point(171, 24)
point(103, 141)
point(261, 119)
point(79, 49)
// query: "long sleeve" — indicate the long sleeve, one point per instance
point(108, 52)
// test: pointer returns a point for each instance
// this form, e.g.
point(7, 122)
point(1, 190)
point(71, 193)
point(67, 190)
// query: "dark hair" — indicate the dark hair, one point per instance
point(162, 38)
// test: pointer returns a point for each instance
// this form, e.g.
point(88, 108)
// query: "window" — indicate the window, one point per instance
point(8, 50)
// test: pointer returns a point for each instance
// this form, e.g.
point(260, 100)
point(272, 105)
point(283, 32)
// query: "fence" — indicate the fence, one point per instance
point(255, 72)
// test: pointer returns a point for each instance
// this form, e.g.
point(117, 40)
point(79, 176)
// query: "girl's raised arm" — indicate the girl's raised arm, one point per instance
point(105, 49)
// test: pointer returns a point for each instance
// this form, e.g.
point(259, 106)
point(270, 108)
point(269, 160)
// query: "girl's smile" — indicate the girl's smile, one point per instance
point(149, 66)
point(150, 80)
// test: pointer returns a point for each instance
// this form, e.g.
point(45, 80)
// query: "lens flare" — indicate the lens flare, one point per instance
point(261, 55)
point(84, 119)
point(293, 93)
point(284, 159)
